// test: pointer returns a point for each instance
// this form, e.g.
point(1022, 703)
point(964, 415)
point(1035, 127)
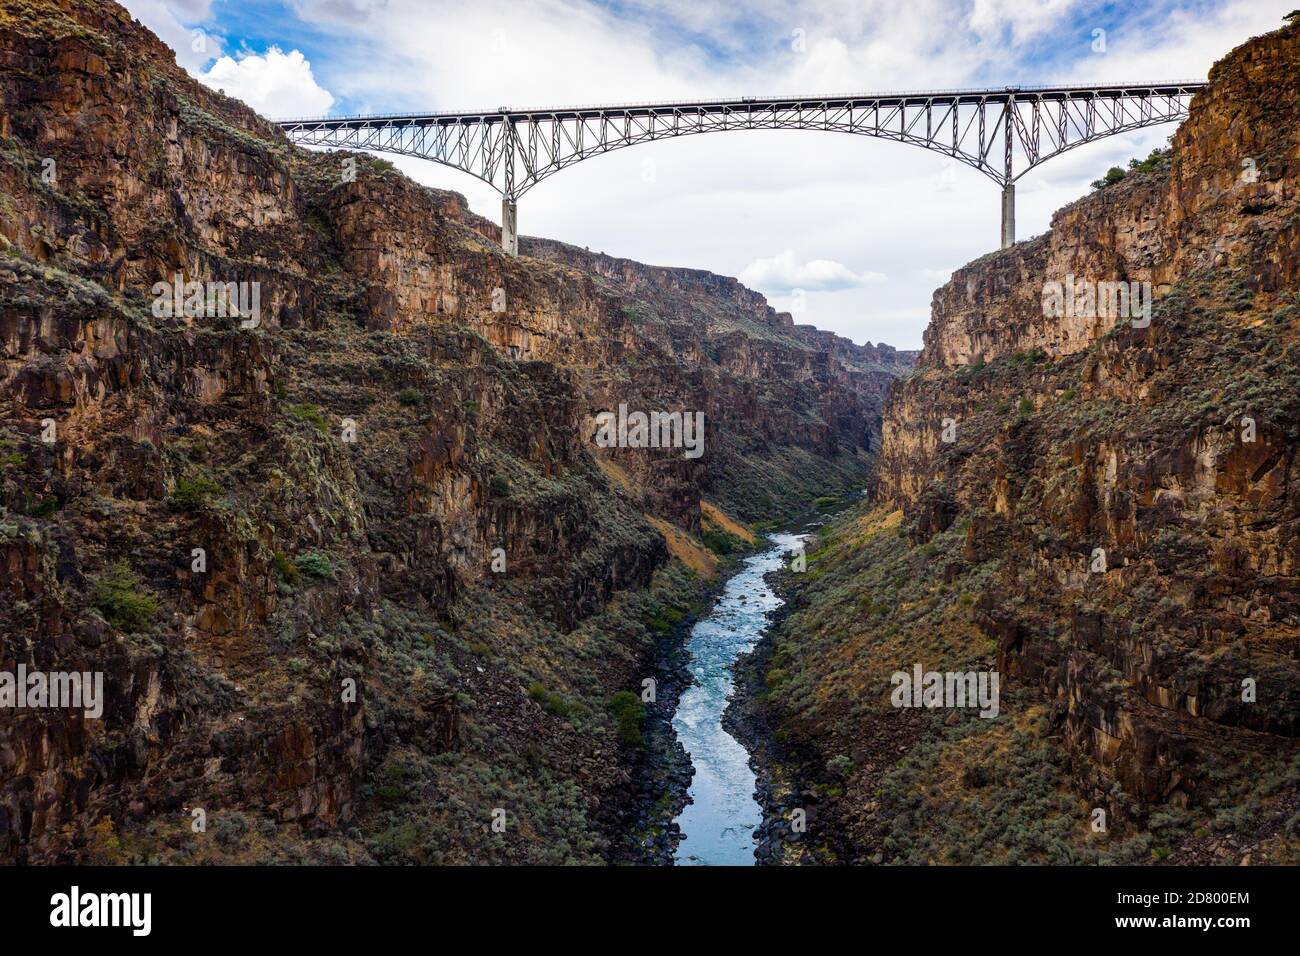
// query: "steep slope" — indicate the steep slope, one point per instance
point(791, 404)
point(360, 582)
point(1102, 509)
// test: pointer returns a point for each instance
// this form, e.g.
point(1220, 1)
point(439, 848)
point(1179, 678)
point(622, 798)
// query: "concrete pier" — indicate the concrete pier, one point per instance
point(510, 227)
point(1008, 215)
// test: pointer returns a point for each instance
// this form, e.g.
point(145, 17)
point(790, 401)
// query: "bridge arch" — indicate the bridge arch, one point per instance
point(1002, 133)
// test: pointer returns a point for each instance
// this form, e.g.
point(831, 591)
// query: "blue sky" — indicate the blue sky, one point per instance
point(868, 228)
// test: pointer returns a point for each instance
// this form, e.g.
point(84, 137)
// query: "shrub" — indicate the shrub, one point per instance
point(499, 486)
point(841, 765)
point(1153, 160)
point(629, 713)
point(1025, 359)
point(720, 542)
point(1113, 175)
point(104, 846)
point(286, 568)
point(118, 596)
point(191, 494)
point(230, 828)
point(314, 565)
point(662, 620)
point(410, 396)
point(48, 505)
point(552, 702)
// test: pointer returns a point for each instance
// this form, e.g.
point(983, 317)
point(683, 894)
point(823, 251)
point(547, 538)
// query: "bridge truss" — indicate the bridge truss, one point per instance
point(1003, 133)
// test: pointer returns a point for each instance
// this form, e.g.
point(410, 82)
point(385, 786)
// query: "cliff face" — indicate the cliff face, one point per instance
point(1103, 510)
point(791, 407)
point(356, 574)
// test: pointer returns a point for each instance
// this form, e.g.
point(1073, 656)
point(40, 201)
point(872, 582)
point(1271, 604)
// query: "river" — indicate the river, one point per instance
point(718, 825)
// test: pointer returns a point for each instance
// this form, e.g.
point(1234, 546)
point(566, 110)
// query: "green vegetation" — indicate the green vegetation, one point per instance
point(552, 702)
point(499, 486)
point(287, 570)
point(410, 396)
point(721, 542)
point(314, 564)
point(663, 619)
point(310, 414)
point(629, 713)
point(193, 494)
point(1113, 175)
point(1156, 159)
point(118, 595)
point(1019, 360)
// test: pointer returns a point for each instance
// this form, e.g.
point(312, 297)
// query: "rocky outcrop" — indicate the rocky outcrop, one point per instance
point(353, 567)
point(1101, 507)
point(776, 391)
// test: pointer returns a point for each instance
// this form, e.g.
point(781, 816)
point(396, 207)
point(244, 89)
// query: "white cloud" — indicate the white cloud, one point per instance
point(726, 202)
point(179, 24)
point(274, 84)
point(784, 272)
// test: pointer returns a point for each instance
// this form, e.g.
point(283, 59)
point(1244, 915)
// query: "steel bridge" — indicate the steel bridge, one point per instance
point(1003, 132)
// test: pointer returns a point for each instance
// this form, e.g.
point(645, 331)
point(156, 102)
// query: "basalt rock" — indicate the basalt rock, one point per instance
point(353, 567)
point(1133, 448)
point(1102, 508)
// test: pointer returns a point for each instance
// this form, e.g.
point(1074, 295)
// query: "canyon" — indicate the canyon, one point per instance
point(365, 587)
point(361, 583)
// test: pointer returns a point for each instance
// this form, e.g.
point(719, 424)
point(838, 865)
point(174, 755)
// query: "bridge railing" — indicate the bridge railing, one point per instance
point(747, 101)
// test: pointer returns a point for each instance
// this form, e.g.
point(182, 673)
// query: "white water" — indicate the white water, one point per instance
point(718, 825)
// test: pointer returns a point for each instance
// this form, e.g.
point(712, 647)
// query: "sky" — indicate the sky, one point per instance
point(866, 229)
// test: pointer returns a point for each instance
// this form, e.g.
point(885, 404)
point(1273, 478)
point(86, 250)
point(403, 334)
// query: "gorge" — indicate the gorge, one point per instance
point(365, 585)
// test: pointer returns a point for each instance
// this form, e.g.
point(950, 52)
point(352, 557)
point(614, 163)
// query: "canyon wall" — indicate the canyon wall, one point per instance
point(356, 573)
point(1104, 508)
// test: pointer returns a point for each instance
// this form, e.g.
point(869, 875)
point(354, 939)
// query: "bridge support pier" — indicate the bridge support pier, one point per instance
point(1008, 215)
point(510, 227)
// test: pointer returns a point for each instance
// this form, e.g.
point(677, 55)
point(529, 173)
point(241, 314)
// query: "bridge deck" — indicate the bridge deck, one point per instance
point(753, 104)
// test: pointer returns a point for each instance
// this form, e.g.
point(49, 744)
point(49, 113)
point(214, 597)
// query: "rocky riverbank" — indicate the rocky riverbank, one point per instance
point(661, 780)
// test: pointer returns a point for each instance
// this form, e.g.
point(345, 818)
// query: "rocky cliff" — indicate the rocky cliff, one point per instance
point(361, 584)
point(791, 404)
point(1100, 505)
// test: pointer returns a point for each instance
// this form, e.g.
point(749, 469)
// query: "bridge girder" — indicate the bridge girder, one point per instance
point(1002, 133)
